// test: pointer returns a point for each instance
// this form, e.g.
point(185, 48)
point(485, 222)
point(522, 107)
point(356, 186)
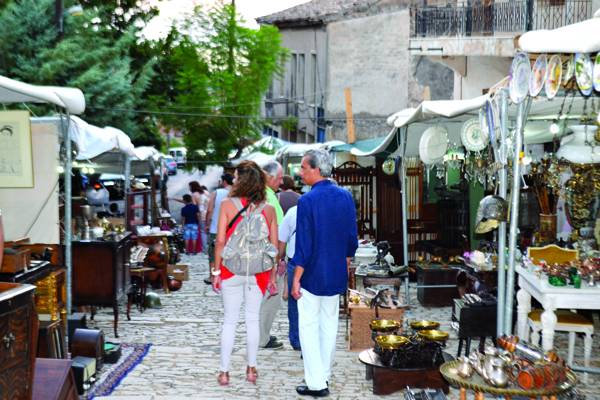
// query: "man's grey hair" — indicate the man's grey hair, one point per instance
point(272, 168)
point(319, 158)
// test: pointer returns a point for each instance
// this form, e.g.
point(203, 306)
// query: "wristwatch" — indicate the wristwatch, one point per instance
point(216, 272)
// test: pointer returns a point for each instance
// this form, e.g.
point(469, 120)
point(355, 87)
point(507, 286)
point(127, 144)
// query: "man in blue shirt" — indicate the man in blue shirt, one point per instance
point(326, 238)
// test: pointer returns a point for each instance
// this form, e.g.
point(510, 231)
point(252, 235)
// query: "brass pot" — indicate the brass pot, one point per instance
point(423, 325)
point(433, 335)
point(384, 325)
point(391, 342)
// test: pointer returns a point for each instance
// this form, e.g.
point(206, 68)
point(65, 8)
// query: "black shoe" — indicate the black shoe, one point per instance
point(273, 344)
point(208, 281)
point(272, 338)
point(303, 390)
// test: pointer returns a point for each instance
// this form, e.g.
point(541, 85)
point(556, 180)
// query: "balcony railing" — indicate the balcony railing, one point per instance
point(488, 17)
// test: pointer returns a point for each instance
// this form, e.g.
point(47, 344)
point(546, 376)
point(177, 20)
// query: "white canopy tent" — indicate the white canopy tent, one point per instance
point(70, 99)
point(582, 37)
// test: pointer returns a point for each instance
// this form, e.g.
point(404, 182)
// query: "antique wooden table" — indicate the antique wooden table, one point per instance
point(551, 298)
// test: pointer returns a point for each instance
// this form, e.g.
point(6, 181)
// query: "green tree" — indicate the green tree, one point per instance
point(225, 69)
point(87, 57)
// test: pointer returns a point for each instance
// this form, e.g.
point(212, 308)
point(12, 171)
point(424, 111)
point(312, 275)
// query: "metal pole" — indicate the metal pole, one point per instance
point(502, 181)
point(127, 185)
point(403, 137)
point(514, 216)
point(68, 217)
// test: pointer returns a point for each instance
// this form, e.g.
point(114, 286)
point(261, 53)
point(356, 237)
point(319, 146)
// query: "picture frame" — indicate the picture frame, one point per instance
point(16, 154)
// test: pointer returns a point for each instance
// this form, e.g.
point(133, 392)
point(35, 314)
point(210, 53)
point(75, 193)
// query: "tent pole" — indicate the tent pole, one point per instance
point(502, 182)
point(523, 110)
point(68, 213)
point(403, 132)
point(127, 184)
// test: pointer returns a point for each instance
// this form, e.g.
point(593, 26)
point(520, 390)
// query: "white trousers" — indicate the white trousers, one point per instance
point(268, 310)
point(236, 290)
point(318, 325)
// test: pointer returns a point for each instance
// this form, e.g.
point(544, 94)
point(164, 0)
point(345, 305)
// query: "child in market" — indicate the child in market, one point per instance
point(190, 214)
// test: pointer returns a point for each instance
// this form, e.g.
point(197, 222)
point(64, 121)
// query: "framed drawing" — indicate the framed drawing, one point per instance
point(16, 163)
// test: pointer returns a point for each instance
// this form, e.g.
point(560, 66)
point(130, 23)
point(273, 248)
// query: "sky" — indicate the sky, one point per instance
point(249, 9)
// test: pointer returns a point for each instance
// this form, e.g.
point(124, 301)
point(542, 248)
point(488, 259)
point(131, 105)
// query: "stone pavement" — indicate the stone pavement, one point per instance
point(184, 359)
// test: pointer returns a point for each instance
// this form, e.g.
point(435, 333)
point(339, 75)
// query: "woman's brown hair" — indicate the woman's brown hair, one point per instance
point(195, 187)
point(250, 183)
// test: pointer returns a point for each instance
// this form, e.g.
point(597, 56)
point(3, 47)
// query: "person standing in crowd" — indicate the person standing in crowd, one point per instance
point(203, 206)
point(326, 239)
point(271, 304)
point(249, 189)
point(196, 191)
point(212, 216)
point(190, 215)
point(287, 245)
point(288, 197)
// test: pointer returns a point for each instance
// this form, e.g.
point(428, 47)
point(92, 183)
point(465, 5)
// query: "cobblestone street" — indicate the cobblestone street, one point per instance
point(183, 360)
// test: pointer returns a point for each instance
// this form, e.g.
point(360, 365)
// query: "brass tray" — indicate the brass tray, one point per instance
point(432, 334)
point(419, 325)
point(476, 383)
point(384, 325)
point(391, 342)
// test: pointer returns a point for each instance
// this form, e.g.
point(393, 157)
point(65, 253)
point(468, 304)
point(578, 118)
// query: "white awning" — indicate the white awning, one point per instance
point(70, 99)
point(425, 111)
point(582, 37)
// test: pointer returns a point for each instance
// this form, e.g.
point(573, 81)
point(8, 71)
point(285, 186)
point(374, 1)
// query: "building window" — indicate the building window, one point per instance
point(301, 74)
point(293, 75)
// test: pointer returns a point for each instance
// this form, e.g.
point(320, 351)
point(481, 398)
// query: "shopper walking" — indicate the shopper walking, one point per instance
point(288, 197)
point(196, 191)
point(203, 206)
point(212, 215)
point(287, 245)
point(271, 304)
point(190, 215)
point(326, 238)
point(232, 273)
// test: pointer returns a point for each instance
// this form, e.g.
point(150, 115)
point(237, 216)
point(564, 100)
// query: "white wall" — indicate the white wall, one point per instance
point(482, 73)
point(20, 207)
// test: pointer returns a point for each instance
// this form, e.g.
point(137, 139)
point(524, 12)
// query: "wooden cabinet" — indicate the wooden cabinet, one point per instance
point(101, 273)
point(54, 380)
point(18, 340)
point(436, 285)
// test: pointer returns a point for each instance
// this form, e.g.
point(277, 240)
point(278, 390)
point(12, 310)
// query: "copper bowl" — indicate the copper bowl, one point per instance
point(433, 335)
point(391, 342)
point(424, 325)
point(384, 325)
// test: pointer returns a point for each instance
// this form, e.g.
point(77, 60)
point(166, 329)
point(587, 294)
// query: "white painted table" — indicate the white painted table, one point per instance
point(551, 298)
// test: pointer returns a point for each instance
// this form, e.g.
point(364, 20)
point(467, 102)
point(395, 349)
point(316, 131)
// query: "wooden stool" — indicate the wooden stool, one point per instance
point(567, 321)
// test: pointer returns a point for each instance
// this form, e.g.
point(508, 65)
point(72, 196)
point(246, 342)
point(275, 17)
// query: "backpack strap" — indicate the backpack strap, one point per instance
point(238, 204)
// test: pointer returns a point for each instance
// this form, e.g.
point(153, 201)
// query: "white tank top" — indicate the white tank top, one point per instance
point(221, 194)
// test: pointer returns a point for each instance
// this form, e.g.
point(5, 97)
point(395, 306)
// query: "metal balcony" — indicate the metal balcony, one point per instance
point(496, 18)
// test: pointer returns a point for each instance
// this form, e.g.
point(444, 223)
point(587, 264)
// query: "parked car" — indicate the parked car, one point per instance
point(171, 165)
point(179, 155)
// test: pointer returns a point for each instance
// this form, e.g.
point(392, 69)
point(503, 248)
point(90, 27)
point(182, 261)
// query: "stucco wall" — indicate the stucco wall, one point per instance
point(482, 73)
point(370, 56)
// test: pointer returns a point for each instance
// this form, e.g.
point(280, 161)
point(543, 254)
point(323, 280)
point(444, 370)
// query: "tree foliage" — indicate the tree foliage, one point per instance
point(224, 70)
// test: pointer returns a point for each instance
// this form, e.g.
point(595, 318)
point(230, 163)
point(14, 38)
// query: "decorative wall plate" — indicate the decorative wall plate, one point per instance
point(568, 70)
point(389, 166)
point(472, 137)
point(597, 73)
point(538, 75)
point(583, 73)
point(433, 145)
point(553, 76)
point(520, 71)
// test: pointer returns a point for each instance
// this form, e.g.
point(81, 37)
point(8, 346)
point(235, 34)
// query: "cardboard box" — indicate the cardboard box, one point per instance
point(360, 318)
point(179, 271)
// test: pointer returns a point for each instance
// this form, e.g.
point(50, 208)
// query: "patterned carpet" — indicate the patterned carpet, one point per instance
point(111, 375)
